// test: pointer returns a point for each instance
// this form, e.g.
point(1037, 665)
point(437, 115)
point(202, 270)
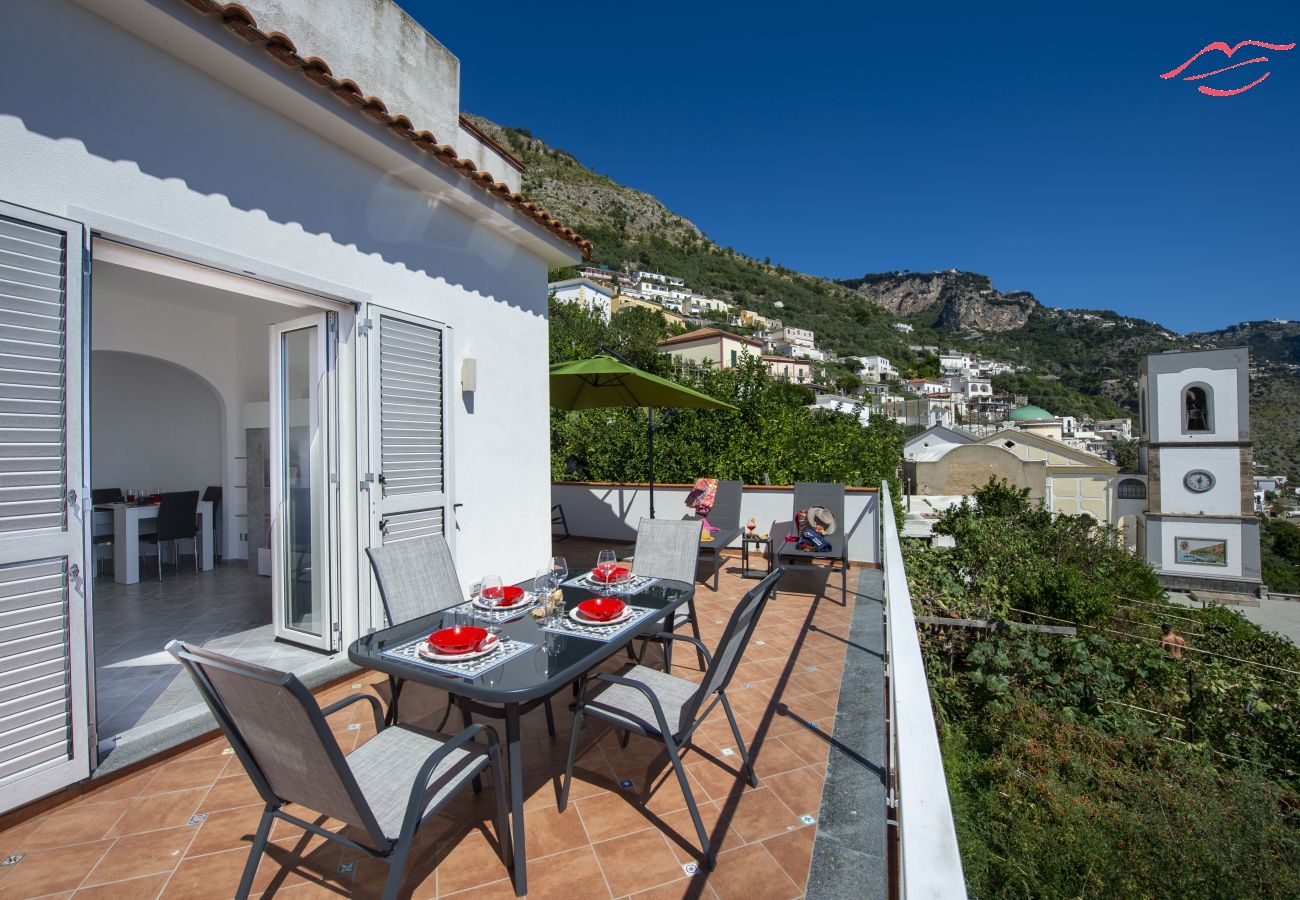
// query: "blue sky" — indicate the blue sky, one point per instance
point(1034, 142)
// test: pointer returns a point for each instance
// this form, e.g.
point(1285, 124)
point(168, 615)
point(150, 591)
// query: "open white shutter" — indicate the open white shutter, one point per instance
point(407, 377)
point(44, 691)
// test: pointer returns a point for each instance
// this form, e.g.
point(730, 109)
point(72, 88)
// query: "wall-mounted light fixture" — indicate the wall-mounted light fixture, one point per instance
point(469, 374)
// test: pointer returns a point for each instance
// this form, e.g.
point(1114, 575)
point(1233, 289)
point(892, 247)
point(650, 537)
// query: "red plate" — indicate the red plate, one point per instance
point(614, 577)
point(602, 609)
point(506, 596)
point(461, 639)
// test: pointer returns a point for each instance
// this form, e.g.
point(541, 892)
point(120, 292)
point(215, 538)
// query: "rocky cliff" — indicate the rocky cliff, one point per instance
point(963, 301)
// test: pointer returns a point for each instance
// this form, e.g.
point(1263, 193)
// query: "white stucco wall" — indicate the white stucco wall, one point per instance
point(1224, 463)
point(108, 129)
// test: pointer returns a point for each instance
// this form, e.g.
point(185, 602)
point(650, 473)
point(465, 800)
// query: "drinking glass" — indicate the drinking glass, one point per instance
point(560, 569)
point(606, 562)
point(491, 589)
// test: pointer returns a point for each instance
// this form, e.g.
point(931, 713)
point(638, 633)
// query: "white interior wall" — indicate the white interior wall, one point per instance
point(153, 425)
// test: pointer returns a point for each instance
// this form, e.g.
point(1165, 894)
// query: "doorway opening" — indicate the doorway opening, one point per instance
point(214, 473)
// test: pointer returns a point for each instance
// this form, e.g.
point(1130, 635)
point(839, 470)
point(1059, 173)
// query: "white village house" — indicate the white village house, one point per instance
point(584, 292)
point(249, 248)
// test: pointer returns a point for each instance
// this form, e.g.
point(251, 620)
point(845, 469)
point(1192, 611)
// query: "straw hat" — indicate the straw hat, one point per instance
point(821, 519)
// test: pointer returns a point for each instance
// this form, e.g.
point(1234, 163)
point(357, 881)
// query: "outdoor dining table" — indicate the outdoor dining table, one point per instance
point(526, 679)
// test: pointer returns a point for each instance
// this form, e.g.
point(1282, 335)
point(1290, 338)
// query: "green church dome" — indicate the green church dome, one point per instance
point(1030, 414)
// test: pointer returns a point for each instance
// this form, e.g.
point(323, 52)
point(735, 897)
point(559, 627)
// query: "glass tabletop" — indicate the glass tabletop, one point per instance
point(552, 660)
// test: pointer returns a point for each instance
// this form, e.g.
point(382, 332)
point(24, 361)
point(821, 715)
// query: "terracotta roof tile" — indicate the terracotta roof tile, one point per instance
point(281, 47)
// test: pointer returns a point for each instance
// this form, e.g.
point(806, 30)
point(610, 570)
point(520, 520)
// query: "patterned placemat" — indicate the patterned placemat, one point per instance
point(566, 625)
point(496, 616)
point(634, 585)
point(470, 668)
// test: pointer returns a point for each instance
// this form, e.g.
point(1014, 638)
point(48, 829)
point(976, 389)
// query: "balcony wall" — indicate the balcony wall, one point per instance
point(612, 511)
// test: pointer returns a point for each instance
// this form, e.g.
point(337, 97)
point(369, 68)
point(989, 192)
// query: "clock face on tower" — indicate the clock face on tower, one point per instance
point(1198, 481)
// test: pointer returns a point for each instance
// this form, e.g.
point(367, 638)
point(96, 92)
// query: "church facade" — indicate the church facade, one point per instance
point(1199, 530)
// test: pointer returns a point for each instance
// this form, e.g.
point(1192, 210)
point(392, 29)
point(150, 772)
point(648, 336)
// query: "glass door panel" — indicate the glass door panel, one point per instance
point(301, 461)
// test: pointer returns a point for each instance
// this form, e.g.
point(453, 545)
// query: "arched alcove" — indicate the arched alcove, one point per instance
point(153, 424)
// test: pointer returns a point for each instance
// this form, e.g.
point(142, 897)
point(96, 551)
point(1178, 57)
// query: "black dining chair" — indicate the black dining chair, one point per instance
point(101, 496)
point(177, 521)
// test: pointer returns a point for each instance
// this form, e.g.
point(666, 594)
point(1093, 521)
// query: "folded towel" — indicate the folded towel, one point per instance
point(812, 541)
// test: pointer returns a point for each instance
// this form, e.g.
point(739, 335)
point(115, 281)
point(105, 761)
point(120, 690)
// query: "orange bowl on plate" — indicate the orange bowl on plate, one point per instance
point(461, 639)
point(602, 609)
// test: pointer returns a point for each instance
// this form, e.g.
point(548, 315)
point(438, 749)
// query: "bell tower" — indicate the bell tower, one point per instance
point(1199, 529)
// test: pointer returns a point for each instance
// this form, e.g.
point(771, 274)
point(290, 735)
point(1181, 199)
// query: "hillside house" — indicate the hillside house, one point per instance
point(875, 368)
point(710, 347)
point(622, 301)
point(595, 297)
point(787, 368)
point(239, 274)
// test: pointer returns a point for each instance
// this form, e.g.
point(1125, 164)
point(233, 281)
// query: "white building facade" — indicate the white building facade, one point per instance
point(357, 288)
point(1199, 527)
point(594, 297)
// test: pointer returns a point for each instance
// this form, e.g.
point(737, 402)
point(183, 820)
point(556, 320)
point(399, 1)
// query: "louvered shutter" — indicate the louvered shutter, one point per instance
point(408, 375)
point(44, 692)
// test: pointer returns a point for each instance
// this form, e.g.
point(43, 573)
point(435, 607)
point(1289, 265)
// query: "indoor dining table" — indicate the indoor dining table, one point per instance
point(126, 537)
point(538, 663)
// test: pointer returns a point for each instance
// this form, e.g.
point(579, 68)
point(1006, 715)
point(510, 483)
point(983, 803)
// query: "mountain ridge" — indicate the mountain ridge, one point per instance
point(1093, 353)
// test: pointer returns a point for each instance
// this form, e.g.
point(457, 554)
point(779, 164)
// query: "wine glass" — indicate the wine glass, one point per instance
point(560, 569)
point(606, 562)
point(491, 590)
point(751, 525)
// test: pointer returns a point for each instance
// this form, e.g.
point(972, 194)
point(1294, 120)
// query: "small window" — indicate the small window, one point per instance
point(1196, 409)
point(1132, 489)
point(733, 359)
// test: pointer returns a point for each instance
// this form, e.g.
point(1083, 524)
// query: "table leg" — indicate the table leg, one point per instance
point(126, 546)
point(205, 548)
point(467, 720)
point(516, 798)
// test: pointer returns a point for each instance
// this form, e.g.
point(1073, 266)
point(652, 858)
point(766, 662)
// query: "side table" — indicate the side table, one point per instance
point(759, 542)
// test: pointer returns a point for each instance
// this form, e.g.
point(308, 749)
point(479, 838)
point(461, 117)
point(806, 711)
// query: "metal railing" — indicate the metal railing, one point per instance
point(925, 861)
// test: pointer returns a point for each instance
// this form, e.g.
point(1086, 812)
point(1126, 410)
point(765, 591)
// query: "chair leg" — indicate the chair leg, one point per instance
point(695, 628)
point(396, 869)
point(709, 859)
point(740, 742)
point(622, 741)
point(467, 719)
point(451, 703)
point(255, 854)
point(717, 565)
point(550, 717)
point(568, 765)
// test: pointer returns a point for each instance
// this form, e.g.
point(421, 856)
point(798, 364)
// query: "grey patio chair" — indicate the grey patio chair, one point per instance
point(830, 496)
point(658, 705)
point(725, 516)
point(388, 787)
point(667, 549)
point(417, 577)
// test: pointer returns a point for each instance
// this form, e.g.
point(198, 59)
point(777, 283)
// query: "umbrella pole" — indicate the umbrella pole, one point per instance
point(650, 445)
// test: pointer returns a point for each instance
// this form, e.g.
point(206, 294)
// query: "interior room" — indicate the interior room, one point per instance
point(181, 376)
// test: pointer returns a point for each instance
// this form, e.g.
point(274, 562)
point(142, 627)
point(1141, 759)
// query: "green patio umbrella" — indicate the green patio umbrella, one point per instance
point(605, 381)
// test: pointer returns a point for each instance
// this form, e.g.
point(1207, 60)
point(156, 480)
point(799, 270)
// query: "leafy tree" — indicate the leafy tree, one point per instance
point(1126, 455)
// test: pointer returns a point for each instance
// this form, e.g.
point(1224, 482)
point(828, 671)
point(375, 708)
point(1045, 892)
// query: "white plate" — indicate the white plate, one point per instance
point(526, 601)
point(427, 652)
point(626, 614)
point(592, 579)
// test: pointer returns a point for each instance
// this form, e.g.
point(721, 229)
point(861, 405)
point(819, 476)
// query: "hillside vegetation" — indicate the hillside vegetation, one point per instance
point(1082, 362)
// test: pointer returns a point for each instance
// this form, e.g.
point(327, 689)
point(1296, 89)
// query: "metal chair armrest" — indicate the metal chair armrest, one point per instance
point(377, 707)
point(674, 636)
